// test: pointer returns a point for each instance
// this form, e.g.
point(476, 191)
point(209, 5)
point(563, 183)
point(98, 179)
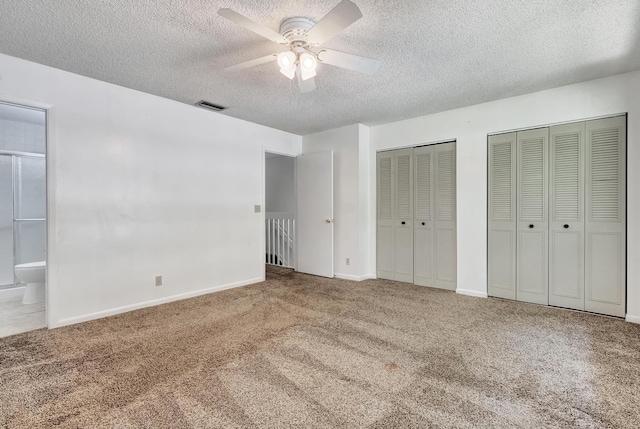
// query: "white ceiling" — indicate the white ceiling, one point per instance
point(435, 55)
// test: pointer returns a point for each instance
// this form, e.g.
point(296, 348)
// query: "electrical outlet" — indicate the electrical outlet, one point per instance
point(257, 208)
point(158, 280)
point(348, 261)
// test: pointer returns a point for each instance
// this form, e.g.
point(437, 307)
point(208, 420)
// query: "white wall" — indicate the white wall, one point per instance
point(141, 186)
point(351, 196)
point(365, 221)
point(280, 179)
point(470, 126)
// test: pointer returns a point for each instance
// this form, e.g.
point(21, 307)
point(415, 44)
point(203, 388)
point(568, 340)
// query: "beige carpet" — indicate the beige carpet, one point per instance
point(301, 351)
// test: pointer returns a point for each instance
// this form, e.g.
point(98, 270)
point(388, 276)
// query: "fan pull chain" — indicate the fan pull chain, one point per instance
point(290, 92)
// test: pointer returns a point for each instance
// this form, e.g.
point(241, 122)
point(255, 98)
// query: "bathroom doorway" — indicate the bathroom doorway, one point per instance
point(23, 213)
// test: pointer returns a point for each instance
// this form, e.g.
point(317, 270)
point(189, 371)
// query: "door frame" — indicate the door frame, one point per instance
point(49, 110)
point(263, 209)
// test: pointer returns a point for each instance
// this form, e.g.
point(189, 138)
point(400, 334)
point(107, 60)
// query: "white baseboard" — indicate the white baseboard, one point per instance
point(151, 303)
point(353, 278)
point(472, 293)
point(632, 319)
point(14, 292)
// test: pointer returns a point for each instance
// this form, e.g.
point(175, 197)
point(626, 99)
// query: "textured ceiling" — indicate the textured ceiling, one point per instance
point(435, 55)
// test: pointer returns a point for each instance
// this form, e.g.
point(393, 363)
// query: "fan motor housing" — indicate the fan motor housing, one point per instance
point(295, 28)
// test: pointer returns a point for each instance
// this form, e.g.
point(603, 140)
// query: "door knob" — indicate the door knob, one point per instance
point(403, 222)
point(531, 226)
point(423, 223)
point(328, 220)
point(566, 226)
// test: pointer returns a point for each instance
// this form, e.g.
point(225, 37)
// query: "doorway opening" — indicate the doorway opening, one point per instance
point(23, 214)
point(280, 210)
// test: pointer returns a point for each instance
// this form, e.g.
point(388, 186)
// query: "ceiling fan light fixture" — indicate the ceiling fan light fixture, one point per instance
point(308, 65)
point(290, 72)
point(308, 61)
point(306, 74)
point(302, 38)
point(286, 60)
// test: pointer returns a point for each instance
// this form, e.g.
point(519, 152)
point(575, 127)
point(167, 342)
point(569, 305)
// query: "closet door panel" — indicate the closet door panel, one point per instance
point(605, 239)
point(502, 216)
point(445, 215)
point(403, 215)
point(385, 230)
point(566, 225)
point(424, 273)
point(532, 224)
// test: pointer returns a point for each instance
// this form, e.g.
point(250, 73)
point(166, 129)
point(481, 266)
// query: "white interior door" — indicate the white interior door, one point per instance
point(502, 216)
point(445, 215)
point(566, 223)
point(403, 219)
point(533, 225)
point(605, 216)
point(315, 214)
point(385, 248)
point(423, 246)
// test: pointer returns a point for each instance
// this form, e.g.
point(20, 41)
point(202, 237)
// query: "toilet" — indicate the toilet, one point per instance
point(34, 276)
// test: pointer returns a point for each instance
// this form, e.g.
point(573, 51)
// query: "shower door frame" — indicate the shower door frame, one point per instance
point(14, 155)
point(50, 157)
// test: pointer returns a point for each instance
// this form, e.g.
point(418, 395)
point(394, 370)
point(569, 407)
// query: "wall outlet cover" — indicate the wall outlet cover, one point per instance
point(158, 280)
point(257, 208)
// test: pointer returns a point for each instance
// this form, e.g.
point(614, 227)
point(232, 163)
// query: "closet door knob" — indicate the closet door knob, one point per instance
point(531, 226)
point(423, 224)
point(566, 226)
point(404, 223)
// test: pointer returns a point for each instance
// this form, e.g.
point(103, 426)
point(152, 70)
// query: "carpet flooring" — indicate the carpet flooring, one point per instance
point(302, 351)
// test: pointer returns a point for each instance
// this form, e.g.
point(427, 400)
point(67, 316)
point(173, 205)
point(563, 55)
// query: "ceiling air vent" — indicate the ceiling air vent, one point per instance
point(209, 106)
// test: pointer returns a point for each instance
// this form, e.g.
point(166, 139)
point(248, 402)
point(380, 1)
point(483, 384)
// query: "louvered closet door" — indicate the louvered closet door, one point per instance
point(502, 216)
point(566, 223)
point(423, 246)
point(403, 215)
point(445, 215)
point(385, 232)
point(605, 216)
point(532, 224)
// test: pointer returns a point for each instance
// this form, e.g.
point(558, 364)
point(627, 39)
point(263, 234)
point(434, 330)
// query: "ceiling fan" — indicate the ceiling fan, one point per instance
point(304, 39)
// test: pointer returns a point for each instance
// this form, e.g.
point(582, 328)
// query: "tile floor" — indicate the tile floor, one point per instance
point(16, 317)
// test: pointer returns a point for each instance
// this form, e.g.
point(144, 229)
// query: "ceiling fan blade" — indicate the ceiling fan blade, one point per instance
point(256, 62)
point(339, 18)
point(348, 61)
point(250, 25)
point(305, 85)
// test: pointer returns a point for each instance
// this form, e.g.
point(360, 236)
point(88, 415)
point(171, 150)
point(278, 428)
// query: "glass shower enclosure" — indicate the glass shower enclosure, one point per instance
point(22, 189)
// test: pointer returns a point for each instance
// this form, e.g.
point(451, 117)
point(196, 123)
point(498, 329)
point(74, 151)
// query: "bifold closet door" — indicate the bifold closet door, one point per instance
point(566, 224)
point(417, 215)
point(502, 216)
point(605, 216)
point(385, 230)
point(403, 215)
point(424, 225)
point(532, 224)
point(445, 215)
point(395, 215)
